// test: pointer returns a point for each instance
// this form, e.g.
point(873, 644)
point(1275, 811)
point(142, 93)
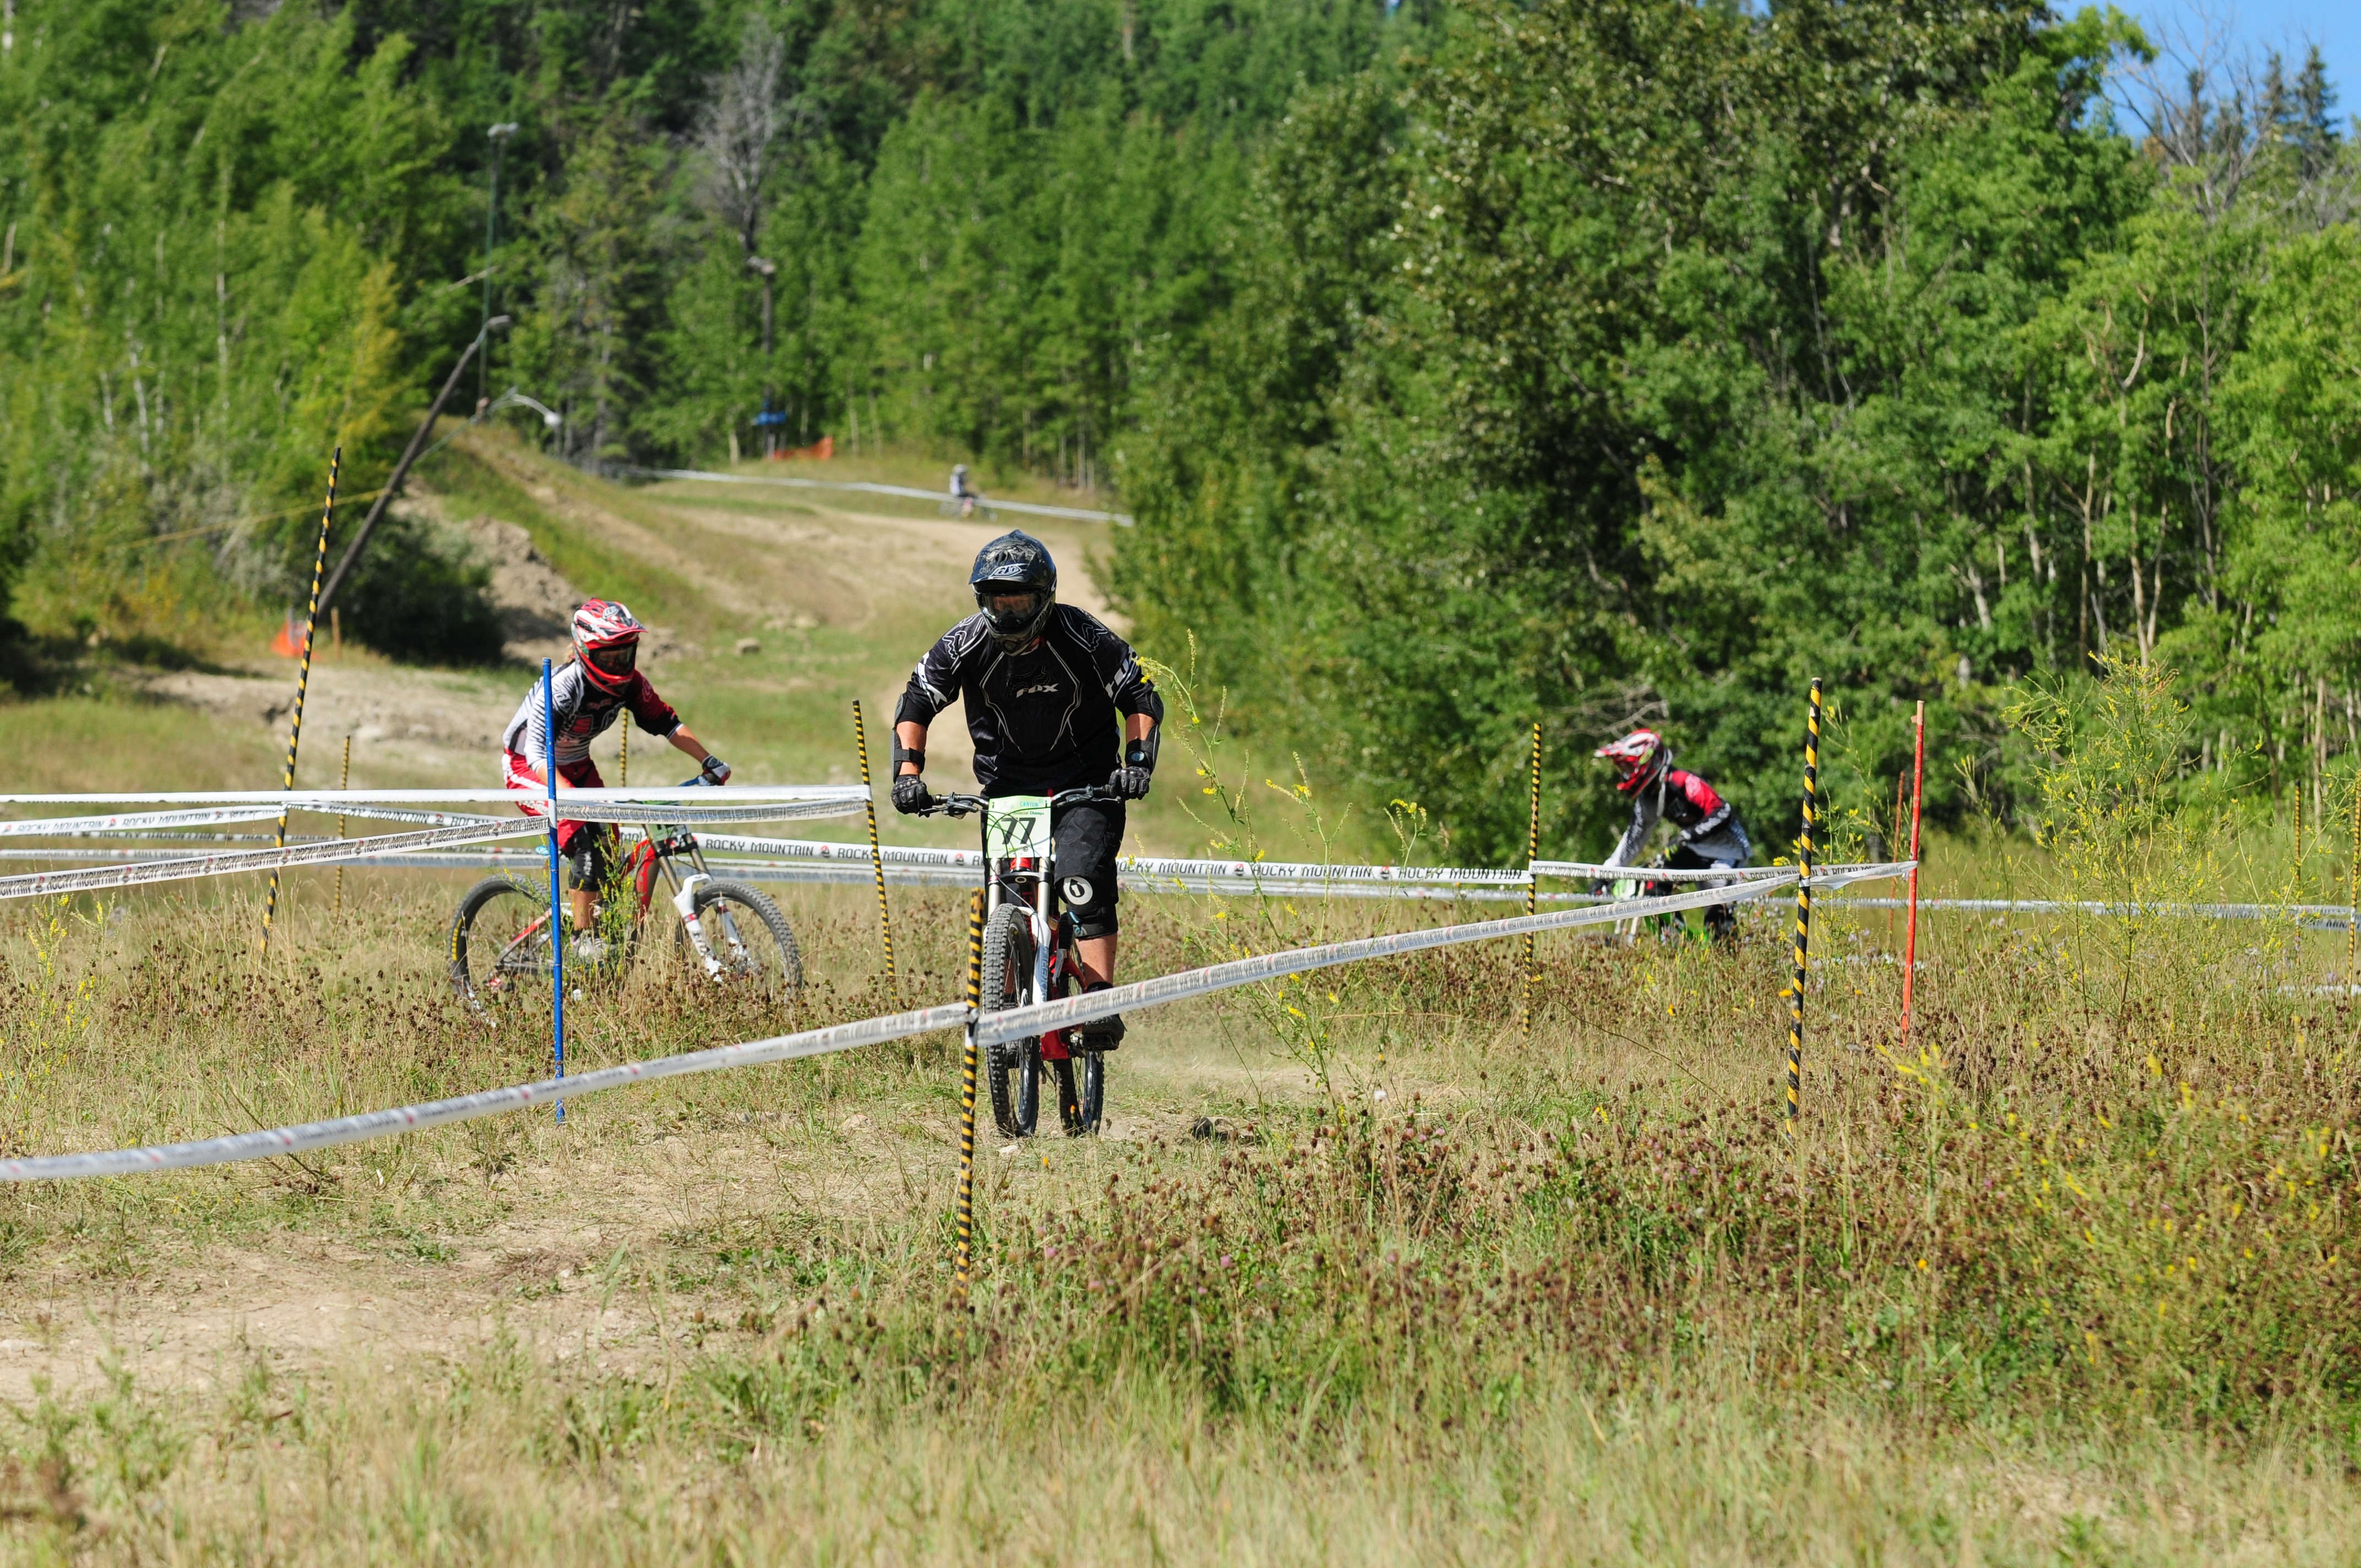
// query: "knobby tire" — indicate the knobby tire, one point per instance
point(1012, 1071)
point(499, 945)
point(776, 969)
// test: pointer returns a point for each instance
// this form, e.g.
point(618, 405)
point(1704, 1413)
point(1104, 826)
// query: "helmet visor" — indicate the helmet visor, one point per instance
point(1009, 608)
point(618, 660)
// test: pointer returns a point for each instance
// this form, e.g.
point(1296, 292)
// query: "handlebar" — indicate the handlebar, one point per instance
point(962, 805)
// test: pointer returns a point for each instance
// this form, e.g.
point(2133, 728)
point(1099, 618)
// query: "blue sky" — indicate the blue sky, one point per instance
point(2262, 26)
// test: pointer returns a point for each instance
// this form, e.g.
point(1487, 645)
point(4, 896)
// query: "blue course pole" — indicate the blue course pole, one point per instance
point(557, 933)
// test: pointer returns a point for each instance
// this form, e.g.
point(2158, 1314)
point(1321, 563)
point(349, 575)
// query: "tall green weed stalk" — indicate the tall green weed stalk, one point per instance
point(50, 1022)
point(1302, 1012)
point(2129, 826)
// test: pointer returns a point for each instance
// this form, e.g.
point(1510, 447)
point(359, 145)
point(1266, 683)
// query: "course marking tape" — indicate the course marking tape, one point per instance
point(465, 1107)
point(971, 861)
point(146, 822)
point(2330, 916)
point(1083, 513)
point(925, 866)
point(1023, 1023)
point(333, 800)
point(1014, 1023)
point(327, 851)
point(1602, 872)
point(132, 822)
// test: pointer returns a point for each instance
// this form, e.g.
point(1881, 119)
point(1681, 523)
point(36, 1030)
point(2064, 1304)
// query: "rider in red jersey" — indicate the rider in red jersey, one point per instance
point(588, 695)
point(1710, 833)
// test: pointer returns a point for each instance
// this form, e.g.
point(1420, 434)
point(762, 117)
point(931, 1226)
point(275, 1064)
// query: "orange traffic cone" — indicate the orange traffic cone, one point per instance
point(288, 643)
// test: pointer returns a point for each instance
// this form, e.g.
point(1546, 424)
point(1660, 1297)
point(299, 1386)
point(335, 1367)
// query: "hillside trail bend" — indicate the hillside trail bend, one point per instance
point(751, 577)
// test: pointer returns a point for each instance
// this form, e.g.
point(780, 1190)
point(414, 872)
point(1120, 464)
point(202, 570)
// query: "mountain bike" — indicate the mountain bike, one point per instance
point(1671, 926)
point(729, 934)
point(1028, 956)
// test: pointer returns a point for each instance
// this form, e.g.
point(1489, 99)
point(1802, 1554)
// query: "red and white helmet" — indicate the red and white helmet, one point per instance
point(607, 642)
point(1639, 757)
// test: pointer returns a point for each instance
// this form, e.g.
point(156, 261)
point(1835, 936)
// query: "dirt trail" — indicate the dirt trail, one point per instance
point(754, 560)
point(571, 1273)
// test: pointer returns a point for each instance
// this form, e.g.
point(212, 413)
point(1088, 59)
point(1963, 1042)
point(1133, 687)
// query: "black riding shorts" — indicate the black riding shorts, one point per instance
point(1088, 837)
point(592, 853)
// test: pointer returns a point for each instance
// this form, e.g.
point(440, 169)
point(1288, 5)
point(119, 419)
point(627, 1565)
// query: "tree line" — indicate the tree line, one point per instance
point(1603, 363)
point(1630, 361)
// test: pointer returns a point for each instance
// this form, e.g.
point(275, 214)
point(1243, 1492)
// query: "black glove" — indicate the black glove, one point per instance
point(715, 771)
point(910, 794)
point(1130, 780)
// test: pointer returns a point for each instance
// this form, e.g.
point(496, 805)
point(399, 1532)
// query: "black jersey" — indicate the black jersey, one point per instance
point(1042, 719)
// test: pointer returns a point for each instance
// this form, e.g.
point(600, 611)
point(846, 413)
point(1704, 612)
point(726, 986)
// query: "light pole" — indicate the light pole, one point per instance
point(500, 135)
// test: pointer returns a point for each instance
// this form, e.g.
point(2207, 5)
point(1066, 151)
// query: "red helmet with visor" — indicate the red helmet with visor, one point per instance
point(607, 642)
point(1639, 758)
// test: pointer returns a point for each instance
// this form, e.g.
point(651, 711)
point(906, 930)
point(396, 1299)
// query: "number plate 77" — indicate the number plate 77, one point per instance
point(1016, 826)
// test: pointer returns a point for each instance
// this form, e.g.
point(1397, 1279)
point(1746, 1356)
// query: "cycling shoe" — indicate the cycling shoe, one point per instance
point(1100, 1034)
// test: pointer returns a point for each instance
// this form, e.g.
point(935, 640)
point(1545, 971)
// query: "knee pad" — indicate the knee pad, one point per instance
point(591, 861)
point(1091, 902)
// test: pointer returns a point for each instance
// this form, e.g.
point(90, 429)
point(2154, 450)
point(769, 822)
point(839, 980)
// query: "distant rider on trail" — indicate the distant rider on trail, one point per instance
point(587, 695)
point(963, 492)
point(1710, 833)
point(1050, 693)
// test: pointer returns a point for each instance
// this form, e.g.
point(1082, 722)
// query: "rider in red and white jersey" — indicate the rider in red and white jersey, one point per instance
point(587, 695)
point(1710, 833)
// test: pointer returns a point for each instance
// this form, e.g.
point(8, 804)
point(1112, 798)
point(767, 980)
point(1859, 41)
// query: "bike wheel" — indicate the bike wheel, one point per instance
point(499, 945)
point(752, 947)
point(1082, 1096)
point(1012, 1071)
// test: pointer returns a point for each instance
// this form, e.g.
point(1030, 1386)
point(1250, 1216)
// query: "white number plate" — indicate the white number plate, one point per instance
point(1018, 825)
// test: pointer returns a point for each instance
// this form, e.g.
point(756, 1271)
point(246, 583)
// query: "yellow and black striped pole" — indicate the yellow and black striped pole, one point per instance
point(344, 781)
point(963, 1261)
point(2353, 885)
point(877, 855)
point(623, 758)
point(2299, 837)
point(302, 679)
point(1802, 911)
point(1532, 887)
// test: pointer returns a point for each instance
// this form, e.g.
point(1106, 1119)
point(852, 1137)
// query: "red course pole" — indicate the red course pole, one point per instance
point(1910, 939)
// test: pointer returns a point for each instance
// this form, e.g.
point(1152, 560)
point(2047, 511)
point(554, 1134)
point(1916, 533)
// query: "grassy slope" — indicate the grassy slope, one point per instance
point(1543, 1301)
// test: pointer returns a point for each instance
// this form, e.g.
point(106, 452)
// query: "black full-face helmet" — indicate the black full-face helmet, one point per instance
point(1016, 585)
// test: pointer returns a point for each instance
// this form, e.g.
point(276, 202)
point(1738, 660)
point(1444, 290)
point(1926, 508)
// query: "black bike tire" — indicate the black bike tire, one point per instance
point(471, 908)
point(759, 903)
point(1008, 983)
point(1093, 1108)
point(1080, 1103)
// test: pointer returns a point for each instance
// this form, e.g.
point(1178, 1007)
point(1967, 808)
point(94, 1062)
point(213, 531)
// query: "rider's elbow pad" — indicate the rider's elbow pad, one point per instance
point(912, 708)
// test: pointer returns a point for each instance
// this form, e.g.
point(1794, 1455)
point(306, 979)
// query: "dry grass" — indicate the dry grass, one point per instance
point(1359, 1273)
point(2075, 1285)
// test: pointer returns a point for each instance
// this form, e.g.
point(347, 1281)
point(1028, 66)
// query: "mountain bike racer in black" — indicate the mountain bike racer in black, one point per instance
point(1051, 696)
